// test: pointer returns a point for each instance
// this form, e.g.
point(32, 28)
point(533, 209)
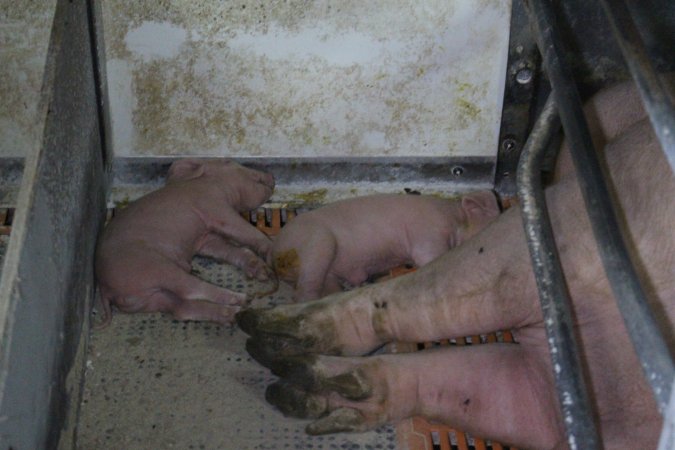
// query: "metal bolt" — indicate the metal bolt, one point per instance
point(508, 144)
point(524, 76)
point(457, 171)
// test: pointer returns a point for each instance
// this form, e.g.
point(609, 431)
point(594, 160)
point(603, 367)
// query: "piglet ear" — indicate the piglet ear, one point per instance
point(480, 205)
point(185, 169)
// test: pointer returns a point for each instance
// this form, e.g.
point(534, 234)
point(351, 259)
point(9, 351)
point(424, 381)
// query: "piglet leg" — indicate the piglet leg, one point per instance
point(189, 298)
point(179, 307)
point(234, 227)
point(218, 248)
point(189, 287)
point(202, 310)
point(199, 300)
point(314, 277)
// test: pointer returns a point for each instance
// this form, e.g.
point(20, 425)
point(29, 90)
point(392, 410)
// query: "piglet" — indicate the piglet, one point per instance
point(143, 257)
point(346, 242)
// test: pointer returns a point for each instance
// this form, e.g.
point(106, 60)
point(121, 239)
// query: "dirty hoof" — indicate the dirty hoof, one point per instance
point(305, 371)
point(267, 350)
point(293, 401)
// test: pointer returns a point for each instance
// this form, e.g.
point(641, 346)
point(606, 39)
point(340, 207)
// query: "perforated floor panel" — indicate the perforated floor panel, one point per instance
point(152, 382)
point(155, 383)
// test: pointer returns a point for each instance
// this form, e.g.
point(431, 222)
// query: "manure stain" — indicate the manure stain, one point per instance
point(287, 263)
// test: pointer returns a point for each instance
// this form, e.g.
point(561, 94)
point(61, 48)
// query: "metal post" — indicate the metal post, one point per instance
point(646, 337)
point(657, 102)
point(553, 294)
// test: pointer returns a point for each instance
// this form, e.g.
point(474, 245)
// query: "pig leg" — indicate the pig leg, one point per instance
point(181, 308)
point(358, 394)
point(189, 298)
point(316, 258)
point(166, 287)
point(199, 300)
point(472, 295)
point(486, 283)
point(218, 248)
point(331, 285)
point(202, 310)
point(481, 286)
point(425, 253)
point(234, 227)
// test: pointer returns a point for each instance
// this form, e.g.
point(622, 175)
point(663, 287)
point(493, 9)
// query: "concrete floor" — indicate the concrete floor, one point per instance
point(154, 383)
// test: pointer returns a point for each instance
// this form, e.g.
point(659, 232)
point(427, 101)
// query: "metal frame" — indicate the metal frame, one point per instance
point(46, 286)
point(553, 294)
point(649, 344)
point(657, 102)
point(520, 86)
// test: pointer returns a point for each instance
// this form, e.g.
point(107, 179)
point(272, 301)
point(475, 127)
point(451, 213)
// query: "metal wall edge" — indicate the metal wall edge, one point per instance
point(47, 278)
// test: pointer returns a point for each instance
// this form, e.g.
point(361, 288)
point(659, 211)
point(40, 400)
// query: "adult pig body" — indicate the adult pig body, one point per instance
point(348, 241)
point(484, 285)
point(143, 258)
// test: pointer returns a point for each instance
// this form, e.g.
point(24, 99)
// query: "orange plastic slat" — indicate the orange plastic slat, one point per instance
point(276, 220)
point(444, 440)
point(461, 440)
point(260, 222)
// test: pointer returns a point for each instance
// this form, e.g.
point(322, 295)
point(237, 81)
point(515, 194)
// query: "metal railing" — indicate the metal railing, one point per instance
point(631, 298)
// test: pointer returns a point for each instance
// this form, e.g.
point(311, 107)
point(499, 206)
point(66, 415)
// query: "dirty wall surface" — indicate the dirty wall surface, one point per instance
point(306, 78)
point(25, 27)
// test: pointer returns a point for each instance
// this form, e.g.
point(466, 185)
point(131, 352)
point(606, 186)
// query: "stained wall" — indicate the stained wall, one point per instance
point(25, 27)
point(306, 78)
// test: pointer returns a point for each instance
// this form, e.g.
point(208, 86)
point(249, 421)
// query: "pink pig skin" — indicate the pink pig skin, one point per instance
point(503, 392)
point(143, 257)
point(350, 240)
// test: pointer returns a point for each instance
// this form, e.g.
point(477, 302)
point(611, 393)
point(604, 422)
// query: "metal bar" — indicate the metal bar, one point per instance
point(519, 91)
point(657, 101)
point(553, 295)
point(646, 337)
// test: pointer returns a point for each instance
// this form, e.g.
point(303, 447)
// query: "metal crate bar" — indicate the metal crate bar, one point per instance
point(657, 102)
point(553, 294)
point(646, 337)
